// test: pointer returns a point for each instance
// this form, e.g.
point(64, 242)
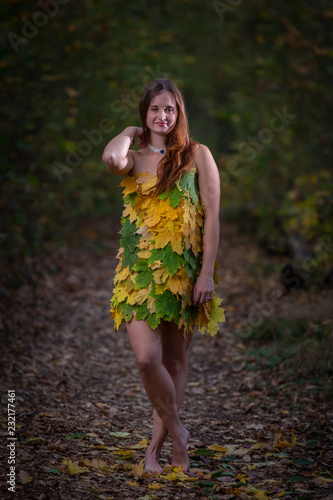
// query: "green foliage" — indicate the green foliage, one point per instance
point(303, 345)
point(70, 86)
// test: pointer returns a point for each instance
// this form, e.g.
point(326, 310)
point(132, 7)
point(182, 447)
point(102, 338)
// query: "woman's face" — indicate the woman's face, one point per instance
point(162, 113)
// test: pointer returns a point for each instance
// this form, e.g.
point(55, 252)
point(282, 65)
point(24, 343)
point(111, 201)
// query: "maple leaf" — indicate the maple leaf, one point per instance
point(167, 306)
point(160, 276)
point(217, 447)
point(130, 185)
point(155, 486)
point(174, 197)
point(97, 464)
point(130, 212)
point(24, 477)
point(188, 183)
point(138, 297)
point(122, 274)
point(174, 284)
point(142, 445)
point(146, 182)
point(138, 469)
point(144, 254)
point(144, 276)
point(74, 468)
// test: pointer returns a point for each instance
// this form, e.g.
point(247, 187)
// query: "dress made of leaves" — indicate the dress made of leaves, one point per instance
point(160, 256)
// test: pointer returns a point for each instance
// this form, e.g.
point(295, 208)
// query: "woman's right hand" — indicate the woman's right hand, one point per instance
point(137, 132)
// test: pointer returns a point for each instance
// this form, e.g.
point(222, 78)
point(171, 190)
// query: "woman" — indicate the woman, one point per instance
point(170, 235)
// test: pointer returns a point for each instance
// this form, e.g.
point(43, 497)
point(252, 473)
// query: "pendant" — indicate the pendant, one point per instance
point(162, 151)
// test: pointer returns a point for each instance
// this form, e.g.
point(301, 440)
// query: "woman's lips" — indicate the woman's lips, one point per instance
point(161, 124)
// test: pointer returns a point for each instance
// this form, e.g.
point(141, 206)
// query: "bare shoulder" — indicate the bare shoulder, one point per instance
point(203, 158)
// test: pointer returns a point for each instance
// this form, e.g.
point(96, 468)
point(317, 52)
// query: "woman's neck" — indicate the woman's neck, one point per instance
point(157, 141)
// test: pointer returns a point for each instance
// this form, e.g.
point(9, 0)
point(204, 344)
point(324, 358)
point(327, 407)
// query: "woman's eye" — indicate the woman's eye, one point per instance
point(170, 110)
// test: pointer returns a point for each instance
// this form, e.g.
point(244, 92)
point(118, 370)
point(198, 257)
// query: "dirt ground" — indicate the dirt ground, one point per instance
point(258, 428)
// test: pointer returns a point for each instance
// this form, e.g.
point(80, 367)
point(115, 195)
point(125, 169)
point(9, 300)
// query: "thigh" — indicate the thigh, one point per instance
point(145, 342)
point(174, 344)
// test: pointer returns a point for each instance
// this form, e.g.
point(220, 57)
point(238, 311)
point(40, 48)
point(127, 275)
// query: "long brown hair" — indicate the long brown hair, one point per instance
point(180, 147)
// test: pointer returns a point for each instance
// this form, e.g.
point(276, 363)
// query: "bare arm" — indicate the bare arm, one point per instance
point(209, 187)
point(117, 156)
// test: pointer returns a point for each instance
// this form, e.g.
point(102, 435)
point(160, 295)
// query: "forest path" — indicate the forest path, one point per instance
point(263, 427)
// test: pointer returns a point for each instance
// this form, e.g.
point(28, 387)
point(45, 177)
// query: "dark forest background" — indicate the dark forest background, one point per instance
point(257, 79)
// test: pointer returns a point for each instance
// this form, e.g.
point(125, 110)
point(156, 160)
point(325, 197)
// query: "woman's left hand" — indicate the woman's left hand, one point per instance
point(203, 290)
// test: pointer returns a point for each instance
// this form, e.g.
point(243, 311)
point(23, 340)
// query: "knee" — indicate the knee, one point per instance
point(147, 365)
point(175, 366)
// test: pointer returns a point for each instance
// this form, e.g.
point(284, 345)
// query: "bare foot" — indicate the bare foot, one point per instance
point(151, 462)
point(179, 455)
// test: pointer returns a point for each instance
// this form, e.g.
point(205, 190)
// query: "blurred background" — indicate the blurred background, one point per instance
point(257, 80)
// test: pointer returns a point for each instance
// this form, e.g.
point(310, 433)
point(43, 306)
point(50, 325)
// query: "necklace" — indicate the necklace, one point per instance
point(162, 151)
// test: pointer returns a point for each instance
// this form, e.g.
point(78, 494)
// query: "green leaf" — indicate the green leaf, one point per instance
point(144, 276)
point(129, 240)
point(188, 183)
point(126, 310)
point(153, 321)
point(77, 435)
point(167, 306)
point(208, 484)
point(171, 260)
point(297, 478)
point(142, 311)
point(120, 434)
point(130, 198)
point(229, 458)
point(174, 197)
point(218, 473)
point(55, 471)
point(302, 461)
point(205, 453)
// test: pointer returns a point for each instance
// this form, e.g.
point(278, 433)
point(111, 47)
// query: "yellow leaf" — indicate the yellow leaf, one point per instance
point(147, 181)
point(129, 210)
point(281, 494)
point(74, 468)
point(130, 185)
point(151, 305)
point(124, 453)
point(261, 495)
point(172, 476)
point(217, 447)
point(24, 477)
point(133, 483)
point(118, 318)
point(242, 478)
point(123, 274)
point(138, 296)
point(97, 464)
point(144, 254)
point(160, 275)
point(142, 445)
point(122, 295)
point(174, 284)
point(293, 438)
point(138, 469)
point(155, 486)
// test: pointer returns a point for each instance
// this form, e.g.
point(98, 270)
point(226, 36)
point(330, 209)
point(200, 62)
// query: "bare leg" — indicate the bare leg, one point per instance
point(160, 388)
point(174, 358)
